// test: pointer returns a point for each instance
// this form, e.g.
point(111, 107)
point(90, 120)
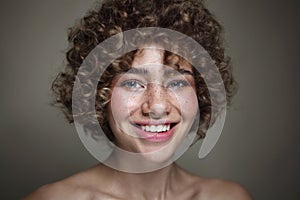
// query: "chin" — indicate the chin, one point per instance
point(158, 152)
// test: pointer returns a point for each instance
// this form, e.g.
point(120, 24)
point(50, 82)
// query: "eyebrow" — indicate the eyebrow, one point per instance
point(168, 72)
point(141, 71)
point(180, 71)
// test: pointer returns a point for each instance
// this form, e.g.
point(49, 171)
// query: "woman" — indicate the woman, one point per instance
point(148, 100)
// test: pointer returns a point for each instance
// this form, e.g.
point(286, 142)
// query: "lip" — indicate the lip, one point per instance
point(153, 122)
point(152, 136)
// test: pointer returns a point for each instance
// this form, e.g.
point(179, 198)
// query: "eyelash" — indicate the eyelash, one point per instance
point(126, 84)
point(135, 84)
point(182, 83)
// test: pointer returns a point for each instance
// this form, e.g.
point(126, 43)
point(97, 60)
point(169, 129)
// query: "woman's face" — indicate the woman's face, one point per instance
point(152, 106)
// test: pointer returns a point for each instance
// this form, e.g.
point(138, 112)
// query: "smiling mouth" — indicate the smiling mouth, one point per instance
point(159, 128)
point(158, 132)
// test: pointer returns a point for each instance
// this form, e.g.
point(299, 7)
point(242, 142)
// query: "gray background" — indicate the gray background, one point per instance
point(259, 147)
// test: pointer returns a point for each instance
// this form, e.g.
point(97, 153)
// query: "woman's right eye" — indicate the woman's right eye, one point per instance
point(132, 84)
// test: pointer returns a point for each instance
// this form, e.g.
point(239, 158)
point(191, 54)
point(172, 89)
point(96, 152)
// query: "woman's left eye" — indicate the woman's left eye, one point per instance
point(178, 84)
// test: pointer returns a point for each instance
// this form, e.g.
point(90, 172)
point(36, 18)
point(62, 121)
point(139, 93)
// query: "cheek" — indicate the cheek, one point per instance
point(123, 103)
point(188, 103)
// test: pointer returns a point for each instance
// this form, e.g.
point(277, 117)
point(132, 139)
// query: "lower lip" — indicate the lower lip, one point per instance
point(156, 137)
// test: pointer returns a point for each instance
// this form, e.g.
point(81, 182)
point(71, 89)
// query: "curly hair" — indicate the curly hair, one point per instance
point(189, 17)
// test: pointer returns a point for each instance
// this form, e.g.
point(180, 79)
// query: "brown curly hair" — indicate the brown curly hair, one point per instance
point(189, 17)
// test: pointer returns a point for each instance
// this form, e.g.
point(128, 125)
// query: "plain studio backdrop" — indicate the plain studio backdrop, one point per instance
point(259, 146)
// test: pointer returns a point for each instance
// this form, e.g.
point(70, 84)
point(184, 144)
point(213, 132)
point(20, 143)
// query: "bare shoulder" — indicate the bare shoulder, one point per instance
point(217, 189)
point(203, 188)
point(223, 190)
point(64, 189)
point(79, 186)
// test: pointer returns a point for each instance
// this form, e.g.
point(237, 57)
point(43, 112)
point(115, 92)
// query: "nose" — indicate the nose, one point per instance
point(156, 104)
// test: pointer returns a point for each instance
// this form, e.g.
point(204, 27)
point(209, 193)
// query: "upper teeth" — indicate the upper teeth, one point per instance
point(158, 128)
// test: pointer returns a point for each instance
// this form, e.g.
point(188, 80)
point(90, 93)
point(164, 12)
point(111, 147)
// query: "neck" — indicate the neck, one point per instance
point(150, 185)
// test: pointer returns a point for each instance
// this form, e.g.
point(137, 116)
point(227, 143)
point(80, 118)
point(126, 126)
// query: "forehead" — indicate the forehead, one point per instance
point(151, 55)
point(158, 60)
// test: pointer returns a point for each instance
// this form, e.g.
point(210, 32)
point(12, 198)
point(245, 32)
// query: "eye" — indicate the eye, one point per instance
point(132, 84)
point(177, 84)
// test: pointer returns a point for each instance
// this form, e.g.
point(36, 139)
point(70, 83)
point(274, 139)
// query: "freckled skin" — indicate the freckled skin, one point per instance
point(131, 101)
point(156, 101)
